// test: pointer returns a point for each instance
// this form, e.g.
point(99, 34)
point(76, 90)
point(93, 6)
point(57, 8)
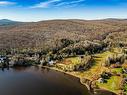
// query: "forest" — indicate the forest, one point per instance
point(95, 50)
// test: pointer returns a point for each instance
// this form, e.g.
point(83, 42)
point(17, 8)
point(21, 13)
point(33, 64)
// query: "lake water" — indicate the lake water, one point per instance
point(38, 81)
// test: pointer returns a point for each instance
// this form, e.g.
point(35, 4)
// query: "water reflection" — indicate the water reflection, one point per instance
point(38, 81)
point(3, 68)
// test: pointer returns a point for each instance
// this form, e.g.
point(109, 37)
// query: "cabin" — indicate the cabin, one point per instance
point(44, 61)
point(4, 62)
point(51, 63)
point(2, 59)
point(101, 80)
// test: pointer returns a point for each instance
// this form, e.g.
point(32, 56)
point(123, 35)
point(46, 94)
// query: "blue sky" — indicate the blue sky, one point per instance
point(36, 10)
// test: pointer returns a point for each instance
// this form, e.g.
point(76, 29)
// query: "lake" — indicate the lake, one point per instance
point(38, 81)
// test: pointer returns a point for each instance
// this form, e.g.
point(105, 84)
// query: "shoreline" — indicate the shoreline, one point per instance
point(91, 90)
point(53, 68)
point(87, 86)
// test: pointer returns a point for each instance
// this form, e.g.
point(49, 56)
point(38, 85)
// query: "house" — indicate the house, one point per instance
point(2, 59)
point(51, 63)
point(101, 80)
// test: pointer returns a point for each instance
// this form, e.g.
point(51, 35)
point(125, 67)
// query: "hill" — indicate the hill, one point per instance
point(93, 50)
point(7, 22)
point(48, 34)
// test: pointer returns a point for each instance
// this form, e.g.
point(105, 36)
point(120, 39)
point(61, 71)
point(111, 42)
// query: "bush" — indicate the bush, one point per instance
point(105, 75)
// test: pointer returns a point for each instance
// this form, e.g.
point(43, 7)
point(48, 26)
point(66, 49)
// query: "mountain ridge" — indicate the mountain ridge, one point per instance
point(48, 34)
point(8, 22)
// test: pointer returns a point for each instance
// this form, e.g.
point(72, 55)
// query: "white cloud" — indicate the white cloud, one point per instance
point(77, 1)
point(57, 3)
point(6, 3)
point(71, 3)
point(45, 4)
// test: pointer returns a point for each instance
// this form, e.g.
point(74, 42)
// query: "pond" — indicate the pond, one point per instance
point(38, 81)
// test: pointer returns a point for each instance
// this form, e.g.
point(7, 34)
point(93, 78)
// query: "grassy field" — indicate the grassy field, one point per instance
point(97, 68)
point(117, 70)
point(113, 84)
point(74, 60)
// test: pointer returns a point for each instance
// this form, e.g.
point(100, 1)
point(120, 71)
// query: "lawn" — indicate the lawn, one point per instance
point(113, 84)
point(74, 60)
point(93, 73)
point(98, 67)
point(117, 70)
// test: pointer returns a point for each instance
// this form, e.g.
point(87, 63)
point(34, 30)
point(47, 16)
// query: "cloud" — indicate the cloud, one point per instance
point(57, 3)
point(6, 3)
point(45, 4)
point(71, 3)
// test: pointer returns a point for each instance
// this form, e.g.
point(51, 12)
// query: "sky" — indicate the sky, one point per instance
point(36, 10)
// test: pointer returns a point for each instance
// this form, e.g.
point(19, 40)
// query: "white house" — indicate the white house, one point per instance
point(1, 59)
point(51, 62)
point(101, 80)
